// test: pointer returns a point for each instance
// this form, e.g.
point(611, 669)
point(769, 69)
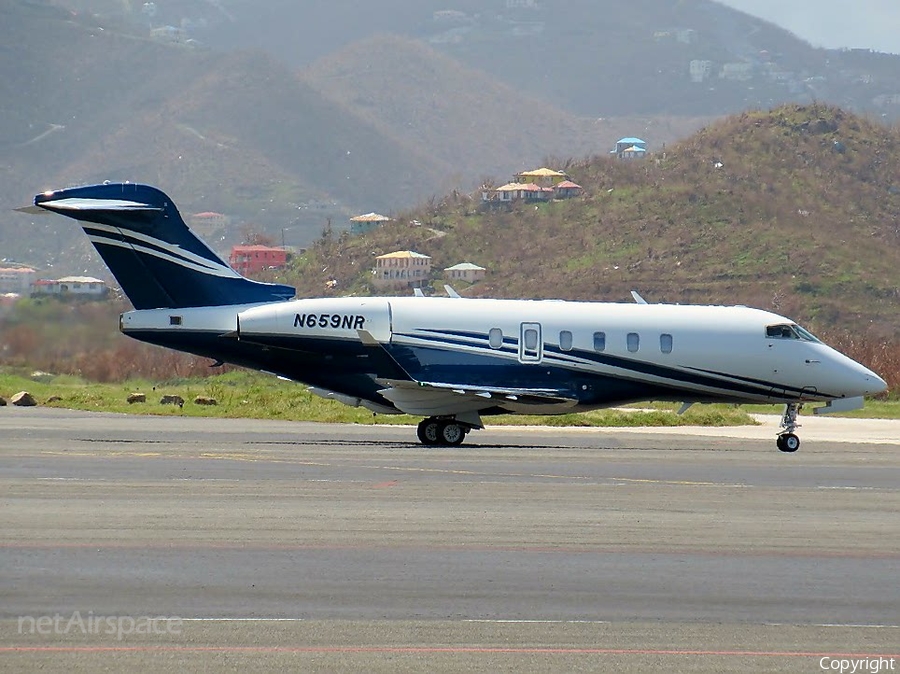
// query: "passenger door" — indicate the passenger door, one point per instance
point(531, 346)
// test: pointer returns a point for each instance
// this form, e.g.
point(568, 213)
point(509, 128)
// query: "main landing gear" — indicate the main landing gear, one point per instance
point(787, 440)
point(437, 431)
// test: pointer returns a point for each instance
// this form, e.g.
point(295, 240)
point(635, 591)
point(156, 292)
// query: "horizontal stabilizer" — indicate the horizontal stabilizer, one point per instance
point(31, 210)
point(61, 205)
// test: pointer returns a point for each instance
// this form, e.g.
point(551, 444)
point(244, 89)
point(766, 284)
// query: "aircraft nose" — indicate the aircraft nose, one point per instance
point(869, 383)
point(878, 383)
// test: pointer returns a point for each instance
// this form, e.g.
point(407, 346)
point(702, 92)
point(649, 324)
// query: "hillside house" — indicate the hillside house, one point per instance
point(681, 35)
point(567, 189)
point(465, 271)
point(83, 286)
point(367, 222)
point(208, 222)
point(169, 35)
point(250, 259)
point(686, 35)
point(16, 279)
point(737, 72)
point(518, 191)
point(630, 148)
point(402, 269)
point(8, 301)
point(700, 70)
point(540, 184)
point(542, 177)
point(210, 219)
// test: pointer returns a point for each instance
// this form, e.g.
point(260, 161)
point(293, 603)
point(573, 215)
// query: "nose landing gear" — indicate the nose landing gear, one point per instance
point(787, 441)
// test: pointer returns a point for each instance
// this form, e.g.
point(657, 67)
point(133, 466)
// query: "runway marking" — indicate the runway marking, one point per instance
point(247, 620)
point(428, 650)
point(165, 546)
point(875, 626)
point(535, 621)
point(500, 621)
point(256, 458)
point(522, 621)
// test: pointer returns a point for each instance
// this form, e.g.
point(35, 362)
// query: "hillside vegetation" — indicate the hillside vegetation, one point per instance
point(459, 117)
point(91, 98)
point(285, 115)
point(795, 210)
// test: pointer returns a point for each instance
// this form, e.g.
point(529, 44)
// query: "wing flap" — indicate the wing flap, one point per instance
point(437, 398)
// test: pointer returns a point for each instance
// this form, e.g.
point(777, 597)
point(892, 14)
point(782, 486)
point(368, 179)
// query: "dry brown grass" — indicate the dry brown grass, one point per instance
point(82, 339)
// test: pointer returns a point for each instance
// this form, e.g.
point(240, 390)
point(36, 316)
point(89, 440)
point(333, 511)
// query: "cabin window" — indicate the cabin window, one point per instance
point(665, 343)
point(495, 338)
point(599, 341)
point(565, 340)
point(531, 339)
point(174, 320)
point(633, 341)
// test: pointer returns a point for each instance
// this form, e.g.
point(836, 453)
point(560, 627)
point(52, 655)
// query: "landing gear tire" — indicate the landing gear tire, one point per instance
point(428, 431)
point(435, 431)
point(788, 442)
point(451, 433)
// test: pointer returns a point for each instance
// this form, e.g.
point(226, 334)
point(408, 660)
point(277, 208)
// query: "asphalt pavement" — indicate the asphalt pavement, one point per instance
point(174, 544)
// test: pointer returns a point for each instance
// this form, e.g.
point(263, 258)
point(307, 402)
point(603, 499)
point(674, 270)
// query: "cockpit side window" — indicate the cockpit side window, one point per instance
point(780, 332)
point(789, 331)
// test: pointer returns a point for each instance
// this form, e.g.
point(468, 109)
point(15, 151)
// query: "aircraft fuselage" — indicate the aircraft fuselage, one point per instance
point(596, 354)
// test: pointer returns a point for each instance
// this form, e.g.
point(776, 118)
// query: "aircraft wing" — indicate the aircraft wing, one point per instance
point(442, 398)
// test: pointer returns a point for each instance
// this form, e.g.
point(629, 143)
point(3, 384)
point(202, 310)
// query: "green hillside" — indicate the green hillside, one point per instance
point(796, 210)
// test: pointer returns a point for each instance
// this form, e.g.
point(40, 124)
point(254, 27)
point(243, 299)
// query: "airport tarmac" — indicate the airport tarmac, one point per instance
point(235, 545)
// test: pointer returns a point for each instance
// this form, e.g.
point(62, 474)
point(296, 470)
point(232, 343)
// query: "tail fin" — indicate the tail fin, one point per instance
point(156, 259)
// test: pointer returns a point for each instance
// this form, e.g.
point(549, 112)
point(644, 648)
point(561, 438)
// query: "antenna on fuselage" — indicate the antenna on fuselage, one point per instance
point(637, 297)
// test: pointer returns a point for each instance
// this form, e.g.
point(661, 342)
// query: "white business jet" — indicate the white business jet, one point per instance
point(449, 359)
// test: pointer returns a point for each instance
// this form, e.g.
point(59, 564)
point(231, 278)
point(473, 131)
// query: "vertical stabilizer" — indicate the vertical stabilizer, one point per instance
point(152, 253)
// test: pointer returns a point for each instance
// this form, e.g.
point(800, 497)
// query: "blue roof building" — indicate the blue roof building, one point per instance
point(630, 148)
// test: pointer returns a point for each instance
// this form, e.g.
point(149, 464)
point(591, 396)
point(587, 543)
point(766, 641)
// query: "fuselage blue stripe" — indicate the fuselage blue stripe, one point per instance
point(708, 379)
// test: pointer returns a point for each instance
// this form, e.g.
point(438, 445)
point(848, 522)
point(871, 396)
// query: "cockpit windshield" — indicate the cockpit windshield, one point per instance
point(790, 331)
